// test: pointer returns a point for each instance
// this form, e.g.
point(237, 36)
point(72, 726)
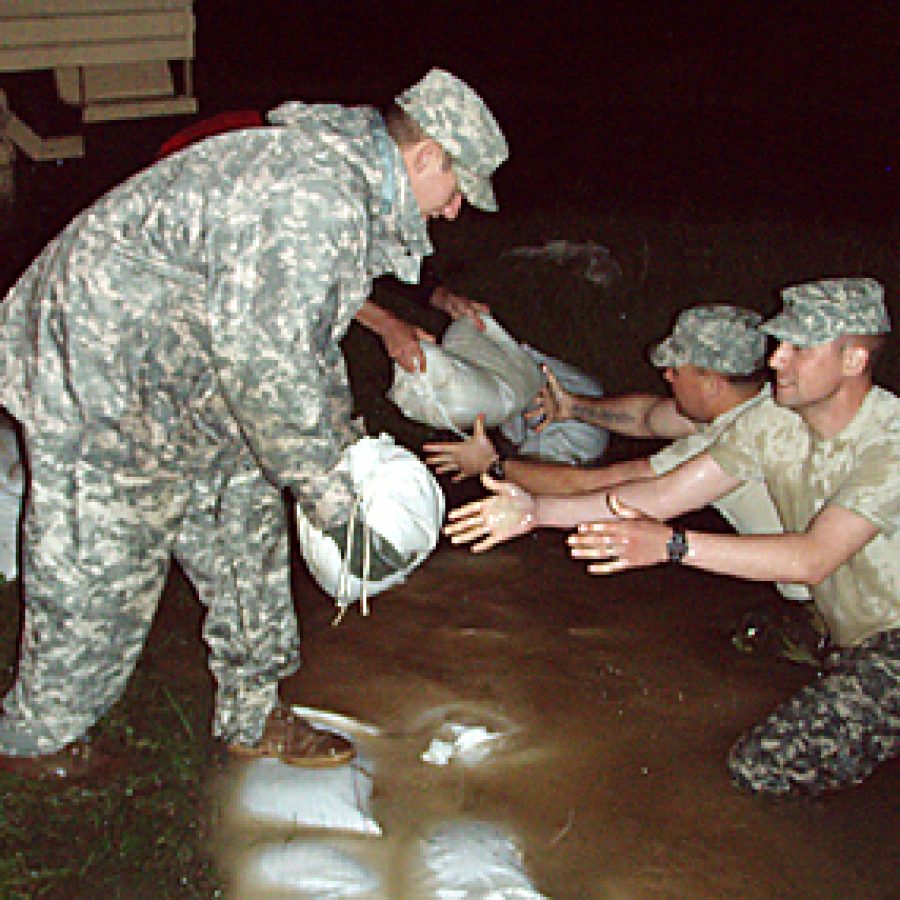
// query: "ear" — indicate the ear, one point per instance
point(427, 155)
point(415, 158)
point(713, 383)
point(855, 359)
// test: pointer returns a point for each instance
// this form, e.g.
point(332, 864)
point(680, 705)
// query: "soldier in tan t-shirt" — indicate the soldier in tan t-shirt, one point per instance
point(714, 361)
point(828, 449)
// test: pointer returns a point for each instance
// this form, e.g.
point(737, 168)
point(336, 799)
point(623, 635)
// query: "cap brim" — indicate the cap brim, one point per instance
point(786, 327)
point(664, 355)
point(476, 189)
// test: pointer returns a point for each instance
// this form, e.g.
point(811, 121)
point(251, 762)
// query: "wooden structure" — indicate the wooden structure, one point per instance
point(112, 59)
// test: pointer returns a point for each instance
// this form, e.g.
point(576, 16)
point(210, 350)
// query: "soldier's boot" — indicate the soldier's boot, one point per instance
point(293, 740)
point(77, 761)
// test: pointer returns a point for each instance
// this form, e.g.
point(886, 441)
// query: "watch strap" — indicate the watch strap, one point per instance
point(677, 545)
point(497, 469)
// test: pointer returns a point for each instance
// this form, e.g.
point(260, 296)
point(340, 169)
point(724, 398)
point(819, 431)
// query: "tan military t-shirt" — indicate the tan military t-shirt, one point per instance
point(859, 469)
point(748, 508)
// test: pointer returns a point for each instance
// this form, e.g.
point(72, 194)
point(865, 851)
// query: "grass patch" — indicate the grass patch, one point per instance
point(144, 832)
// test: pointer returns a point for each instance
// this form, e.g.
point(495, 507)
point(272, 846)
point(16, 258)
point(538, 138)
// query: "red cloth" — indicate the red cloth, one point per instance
point(226, 121)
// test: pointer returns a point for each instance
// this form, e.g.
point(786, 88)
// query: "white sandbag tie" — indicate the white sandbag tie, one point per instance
point(343, 597)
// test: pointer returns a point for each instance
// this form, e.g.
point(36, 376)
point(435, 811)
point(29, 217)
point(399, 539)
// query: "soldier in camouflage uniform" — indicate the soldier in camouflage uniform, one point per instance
point(173, 357)
point(827, 446)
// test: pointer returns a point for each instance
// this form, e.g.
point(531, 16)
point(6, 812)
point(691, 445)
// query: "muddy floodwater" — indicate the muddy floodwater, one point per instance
point(616, 700)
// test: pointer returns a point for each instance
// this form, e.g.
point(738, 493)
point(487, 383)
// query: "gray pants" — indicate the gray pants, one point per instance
point(834, 732)
point(97, 544)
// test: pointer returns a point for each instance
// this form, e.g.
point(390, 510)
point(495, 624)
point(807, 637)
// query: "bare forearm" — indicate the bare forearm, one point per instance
point(783, 557)
point(633, 415)
point(560, 479)
point(689, 486)
point(376, 318)
point(832, 538)
point(633, 541)
point(568, 511)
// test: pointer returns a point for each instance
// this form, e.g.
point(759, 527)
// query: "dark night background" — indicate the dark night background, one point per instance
point(788, 107)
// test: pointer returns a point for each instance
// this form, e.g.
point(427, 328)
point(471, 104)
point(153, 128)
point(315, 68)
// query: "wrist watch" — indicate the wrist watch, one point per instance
point(497, 469)
point(677, 546)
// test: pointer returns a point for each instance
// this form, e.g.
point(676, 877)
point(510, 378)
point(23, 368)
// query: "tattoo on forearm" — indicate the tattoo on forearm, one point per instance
point(589, 414)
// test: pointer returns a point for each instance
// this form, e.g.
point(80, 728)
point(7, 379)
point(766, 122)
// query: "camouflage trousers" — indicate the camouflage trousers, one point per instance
point(832, 733)
point(97, 545)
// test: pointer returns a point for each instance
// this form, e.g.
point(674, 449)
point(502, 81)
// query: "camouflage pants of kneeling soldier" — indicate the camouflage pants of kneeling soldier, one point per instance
point(831, 734)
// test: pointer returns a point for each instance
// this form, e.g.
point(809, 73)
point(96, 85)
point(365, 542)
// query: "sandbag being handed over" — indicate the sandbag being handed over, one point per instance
point(393, 527)
point(570, 441)
point(468, 373)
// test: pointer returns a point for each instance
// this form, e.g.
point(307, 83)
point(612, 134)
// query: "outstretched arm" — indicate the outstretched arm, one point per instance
point(474, 455)
point(636, 541)
point(689, 486)
point(633, 415)
point(462, 459)
point(507, 513)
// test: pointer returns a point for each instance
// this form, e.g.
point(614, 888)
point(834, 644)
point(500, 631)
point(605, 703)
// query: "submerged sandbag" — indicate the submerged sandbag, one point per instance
point(469, 859)
point(336, 799)
point(305, 869)
point(470, 372)
point(398, 503)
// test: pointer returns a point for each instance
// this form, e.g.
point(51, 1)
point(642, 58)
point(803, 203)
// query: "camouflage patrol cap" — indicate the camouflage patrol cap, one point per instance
point(817, 312)
point(452, 114)
point(719, 337)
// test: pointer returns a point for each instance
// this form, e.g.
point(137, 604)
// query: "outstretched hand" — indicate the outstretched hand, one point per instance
point(553, 403)
point(630, 541)
point(463, 458)
point(508, 513)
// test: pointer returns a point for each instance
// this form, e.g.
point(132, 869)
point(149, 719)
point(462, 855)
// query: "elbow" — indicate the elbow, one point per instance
point(816, 577)
point(814, 571)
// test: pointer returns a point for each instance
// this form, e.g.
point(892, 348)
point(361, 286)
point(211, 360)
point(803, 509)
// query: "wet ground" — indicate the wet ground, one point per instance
point(618, 699)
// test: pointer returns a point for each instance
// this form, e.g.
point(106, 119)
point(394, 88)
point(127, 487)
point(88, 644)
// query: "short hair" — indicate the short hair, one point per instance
point(873, 343)
point(402, 127)
point(756, 378)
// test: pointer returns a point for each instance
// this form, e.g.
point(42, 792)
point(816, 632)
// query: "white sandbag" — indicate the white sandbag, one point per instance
point(471, 859)
point(275, 794)
point(398, 498)
point(12, 486)
point(576, 443)
point(468, 373)
point(306, 870)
